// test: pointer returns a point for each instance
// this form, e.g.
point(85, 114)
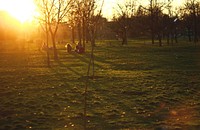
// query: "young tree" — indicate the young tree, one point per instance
point(93, 19)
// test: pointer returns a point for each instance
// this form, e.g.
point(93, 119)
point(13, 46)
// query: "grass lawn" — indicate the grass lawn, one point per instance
point(136, 86)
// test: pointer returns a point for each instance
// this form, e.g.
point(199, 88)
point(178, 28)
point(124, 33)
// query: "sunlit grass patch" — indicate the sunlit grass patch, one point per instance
point(136, 86)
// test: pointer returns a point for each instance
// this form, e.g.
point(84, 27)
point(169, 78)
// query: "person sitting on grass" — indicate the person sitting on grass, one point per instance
point(69, 48)
point(79, 48)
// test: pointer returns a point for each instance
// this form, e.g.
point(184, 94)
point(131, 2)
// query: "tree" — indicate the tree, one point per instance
point(93, 19)
point(168, 23)
point(187, 23)
point(192, 8)
point(171, 23)
point(52, 12)
point(72, 23)
point(155, 10)
point(82, 11)
point(139, 23)
point(124, 12)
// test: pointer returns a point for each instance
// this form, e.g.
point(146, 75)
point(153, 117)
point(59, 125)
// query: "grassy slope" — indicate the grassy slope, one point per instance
point(136, 86)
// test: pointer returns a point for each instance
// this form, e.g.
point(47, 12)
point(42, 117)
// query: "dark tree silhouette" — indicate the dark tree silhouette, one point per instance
point(192, 8)
point(155, 9)
point(124, 12)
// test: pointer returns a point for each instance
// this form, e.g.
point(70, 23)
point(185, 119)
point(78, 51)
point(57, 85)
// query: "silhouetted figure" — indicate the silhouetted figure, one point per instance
point(79, 48)
point(69, 48)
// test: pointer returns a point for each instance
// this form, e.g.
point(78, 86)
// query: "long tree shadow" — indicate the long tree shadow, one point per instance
point(86, 57)
point(87, 108)
point(61, 64)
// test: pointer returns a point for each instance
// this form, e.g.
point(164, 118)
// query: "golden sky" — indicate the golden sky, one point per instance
point(24, 10)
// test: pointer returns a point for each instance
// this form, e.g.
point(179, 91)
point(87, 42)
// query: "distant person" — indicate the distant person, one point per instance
point(69, 48)
point(79, 48)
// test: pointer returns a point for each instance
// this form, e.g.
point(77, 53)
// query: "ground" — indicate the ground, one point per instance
point(137, 86)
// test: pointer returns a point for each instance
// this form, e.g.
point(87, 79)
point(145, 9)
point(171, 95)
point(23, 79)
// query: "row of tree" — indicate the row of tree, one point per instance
point(158, 20)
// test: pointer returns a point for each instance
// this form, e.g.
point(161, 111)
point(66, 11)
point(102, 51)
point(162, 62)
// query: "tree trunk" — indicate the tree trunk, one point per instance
point(160, 40)
point(53, 38)
point(87, 36)
point(195, 28)
point(73, 35)
point(79, 33)
point(92, 54)
point(152, 37)
point(47, 40)
point(152, 28)
point(168, 39)
point(83, 32)
point(172, 38)
point(124, 37)
point(176, 36)
point(189, 35)
point(54, 47)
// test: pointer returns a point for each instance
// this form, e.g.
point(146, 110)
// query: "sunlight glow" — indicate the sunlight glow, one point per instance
point(22, 10)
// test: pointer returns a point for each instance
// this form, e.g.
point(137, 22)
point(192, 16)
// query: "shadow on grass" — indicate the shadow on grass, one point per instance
point(86, 58)
point(69, 68)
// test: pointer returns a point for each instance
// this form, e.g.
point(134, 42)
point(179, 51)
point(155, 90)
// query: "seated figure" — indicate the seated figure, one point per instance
point(69, 48)
point(79, 48)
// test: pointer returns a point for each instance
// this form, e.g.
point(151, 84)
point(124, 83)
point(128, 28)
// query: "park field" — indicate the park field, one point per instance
point(136, 87)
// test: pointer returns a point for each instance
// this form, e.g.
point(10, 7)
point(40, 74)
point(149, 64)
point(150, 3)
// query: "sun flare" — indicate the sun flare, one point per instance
point(22, 10)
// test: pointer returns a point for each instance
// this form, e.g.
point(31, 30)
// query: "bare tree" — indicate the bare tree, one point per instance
point(192, 8)
point(155, 9)
point(72, 23)
point(89, 6)
point(52, 12)
point(123, 14)
point(93, 19)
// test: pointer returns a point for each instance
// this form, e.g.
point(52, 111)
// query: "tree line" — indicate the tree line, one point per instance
point(157, 20)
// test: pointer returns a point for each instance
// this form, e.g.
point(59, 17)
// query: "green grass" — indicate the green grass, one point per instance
point(138, 86)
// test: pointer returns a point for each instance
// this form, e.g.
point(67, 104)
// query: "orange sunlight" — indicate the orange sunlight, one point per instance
point(22, 10)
